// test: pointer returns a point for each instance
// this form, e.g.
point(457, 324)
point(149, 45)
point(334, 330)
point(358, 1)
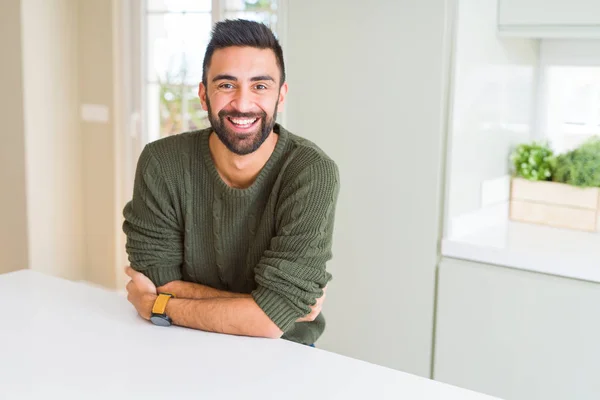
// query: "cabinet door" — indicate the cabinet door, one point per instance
point(549, 12)
point(516, 334)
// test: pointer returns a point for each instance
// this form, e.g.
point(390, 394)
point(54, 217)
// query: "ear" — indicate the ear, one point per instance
point(202, 95)
point(282, 95)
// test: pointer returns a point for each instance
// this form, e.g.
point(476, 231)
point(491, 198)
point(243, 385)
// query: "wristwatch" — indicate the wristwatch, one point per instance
point(159, 317)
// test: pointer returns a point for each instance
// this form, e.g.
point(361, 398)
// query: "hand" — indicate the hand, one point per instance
point(316, 309)
point(141, 281)
point(141, 292)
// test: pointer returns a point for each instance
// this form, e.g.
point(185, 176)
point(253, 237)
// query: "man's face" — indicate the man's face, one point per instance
point(242, 96)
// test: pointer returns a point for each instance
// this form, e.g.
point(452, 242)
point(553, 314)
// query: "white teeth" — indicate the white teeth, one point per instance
point(243, 121)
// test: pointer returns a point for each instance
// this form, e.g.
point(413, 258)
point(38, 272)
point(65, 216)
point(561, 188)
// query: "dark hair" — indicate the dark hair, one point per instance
point(241, 32)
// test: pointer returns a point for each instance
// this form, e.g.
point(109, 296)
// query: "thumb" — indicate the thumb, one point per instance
point(130, 271)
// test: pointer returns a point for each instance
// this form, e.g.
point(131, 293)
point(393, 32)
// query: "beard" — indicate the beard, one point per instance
point(249, 142)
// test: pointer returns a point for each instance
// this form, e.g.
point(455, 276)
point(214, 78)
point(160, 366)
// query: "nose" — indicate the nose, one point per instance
point(243, 100)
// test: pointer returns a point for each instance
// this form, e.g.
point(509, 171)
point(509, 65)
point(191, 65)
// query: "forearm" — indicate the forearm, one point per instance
point(234, 316)
point(189, 290)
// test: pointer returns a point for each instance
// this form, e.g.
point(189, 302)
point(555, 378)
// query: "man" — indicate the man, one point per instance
point(234, 221)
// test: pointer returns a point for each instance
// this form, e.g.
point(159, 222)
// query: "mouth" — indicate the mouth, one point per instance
point(243, 124)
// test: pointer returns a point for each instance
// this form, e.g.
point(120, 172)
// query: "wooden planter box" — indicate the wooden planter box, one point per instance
point(555, 204)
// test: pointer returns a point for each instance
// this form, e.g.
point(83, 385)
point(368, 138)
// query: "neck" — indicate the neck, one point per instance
point(241, 171)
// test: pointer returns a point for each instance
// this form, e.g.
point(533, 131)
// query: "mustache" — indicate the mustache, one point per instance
point(237, 114)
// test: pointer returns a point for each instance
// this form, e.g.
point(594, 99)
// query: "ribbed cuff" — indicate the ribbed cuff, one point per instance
point(275, 307)
point(163, 275)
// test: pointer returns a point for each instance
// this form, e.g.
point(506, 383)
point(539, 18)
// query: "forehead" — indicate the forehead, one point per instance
point(243, 62)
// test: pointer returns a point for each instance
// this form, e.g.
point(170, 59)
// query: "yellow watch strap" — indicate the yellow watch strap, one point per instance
point(160, 304)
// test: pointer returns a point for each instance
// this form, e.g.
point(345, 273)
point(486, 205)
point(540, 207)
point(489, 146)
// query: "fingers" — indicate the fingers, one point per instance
point(320, 299)
point(130, 271)
point(133, 274)
point(324, 292)
point(130, 286)
point(315, 309)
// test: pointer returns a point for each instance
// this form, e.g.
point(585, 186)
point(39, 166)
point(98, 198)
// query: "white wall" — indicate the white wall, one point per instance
point(494, 81)
point(64, 183)
point(62, 211)
point(102, 213)
point(52, 137)
point(366, 83)
point(13, 206)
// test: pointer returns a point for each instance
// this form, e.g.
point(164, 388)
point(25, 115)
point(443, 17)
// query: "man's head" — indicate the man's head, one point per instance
point(243, 83)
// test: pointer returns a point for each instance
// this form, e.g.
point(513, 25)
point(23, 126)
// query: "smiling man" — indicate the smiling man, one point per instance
point(230, 228)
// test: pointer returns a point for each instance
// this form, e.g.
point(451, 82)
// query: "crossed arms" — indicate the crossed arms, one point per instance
point(290, 281)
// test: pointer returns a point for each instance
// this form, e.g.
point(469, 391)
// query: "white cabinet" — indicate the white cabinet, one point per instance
point(516, 334)
point(549, 18)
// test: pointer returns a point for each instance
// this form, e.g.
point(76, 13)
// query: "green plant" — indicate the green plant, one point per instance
point(534, 161)
point(180, 108)
point(258, 5)
point(581, 166)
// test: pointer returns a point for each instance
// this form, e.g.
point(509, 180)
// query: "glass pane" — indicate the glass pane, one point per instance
point(176, 45)
point(152, 99)
point(176, 109)
point(578, 91)
point(573, 105)
point(250, 5)
point(195, 116)
point(259, 16)
point(180, 5)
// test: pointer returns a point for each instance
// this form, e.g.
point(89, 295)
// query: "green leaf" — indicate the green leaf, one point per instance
point(581, 166)
point(533, 161)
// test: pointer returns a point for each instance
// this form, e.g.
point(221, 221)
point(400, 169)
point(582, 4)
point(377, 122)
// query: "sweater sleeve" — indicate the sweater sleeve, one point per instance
point(291, 274)
point(154, 236)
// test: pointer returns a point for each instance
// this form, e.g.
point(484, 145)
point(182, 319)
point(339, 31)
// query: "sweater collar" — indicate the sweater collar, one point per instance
point(264, 172)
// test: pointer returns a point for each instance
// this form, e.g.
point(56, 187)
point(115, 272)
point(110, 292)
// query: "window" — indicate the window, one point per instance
point(573, 105)
point(175, 34)
point(570, 95)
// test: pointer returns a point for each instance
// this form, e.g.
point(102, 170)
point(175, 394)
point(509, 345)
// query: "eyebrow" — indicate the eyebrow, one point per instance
point(224, 77)
point(233, 78)
point(262, 78)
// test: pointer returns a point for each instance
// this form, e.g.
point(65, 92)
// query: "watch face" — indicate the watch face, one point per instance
point(160, 320)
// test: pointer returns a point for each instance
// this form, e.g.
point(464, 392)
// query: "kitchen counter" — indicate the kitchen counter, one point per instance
point(538, 248)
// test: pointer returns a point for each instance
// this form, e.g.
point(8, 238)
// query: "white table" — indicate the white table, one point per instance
point(68, 340)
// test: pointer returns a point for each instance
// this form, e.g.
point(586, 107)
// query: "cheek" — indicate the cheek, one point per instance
point(267, 105)
point(217, 102)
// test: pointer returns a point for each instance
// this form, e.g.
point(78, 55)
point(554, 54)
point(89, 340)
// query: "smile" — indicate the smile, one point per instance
point(243, 122)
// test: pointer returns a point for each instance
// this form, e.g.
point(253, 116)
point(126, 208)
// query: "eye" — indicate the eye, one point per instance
point(260, 86)
point(226, 86)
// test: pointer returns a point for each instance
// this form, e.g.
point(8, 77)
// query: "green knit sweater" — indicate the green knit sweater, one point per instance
point(272, 239)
